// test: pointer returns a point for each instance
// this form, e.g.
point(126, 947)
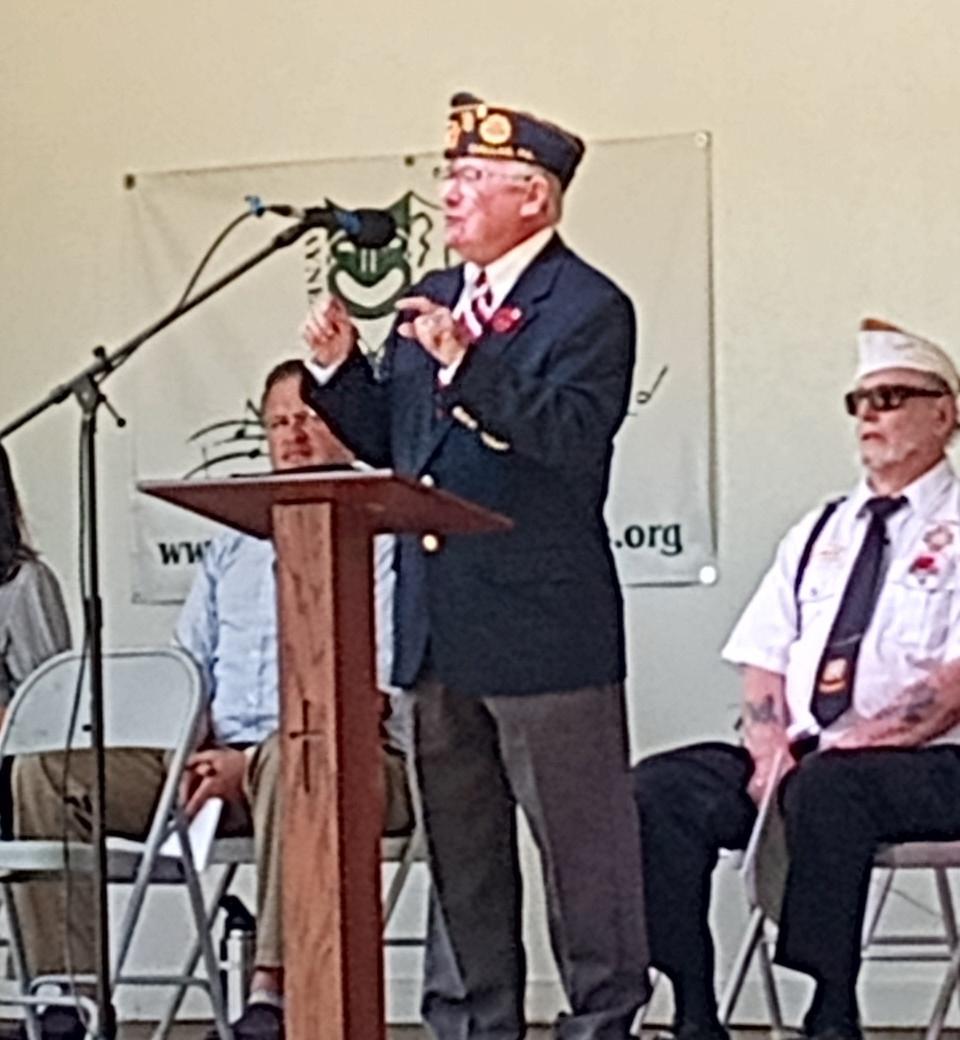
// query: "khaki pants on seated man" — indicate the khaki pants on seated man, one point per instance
point(43, 810)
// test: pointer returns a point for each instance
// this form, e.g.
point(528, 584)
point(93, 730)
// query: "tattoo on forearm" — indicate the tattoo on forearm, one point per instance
point(916, 706)
point(761, 713)
point(920, 705)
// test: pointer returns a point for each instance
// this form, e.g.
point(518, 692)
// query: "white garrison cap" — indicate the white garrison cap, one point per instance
point(883, 346)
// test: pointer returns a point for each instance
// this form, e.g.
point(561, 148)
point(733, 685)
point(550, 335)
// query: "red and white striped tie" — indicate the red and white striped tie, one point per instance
point(479, 309)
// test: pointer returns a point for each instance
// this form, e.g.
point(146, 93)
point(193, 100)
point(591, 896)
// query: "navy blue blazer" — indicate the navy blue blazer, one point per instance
point(525, 428)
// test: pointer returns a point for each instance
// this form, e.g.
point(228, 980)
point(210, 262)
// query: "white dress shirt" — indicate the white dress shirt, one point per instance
point(915, 626)
point(502, 275)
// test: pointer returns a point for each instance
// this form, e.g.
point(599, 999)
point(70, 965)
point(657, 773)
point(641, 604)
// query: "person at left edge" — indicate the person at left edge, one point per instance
point(33, 618)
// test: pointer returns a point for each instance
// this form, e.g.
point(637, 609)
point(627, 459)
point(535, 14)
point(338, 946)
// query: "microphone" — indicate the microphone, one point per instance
point(367, 228)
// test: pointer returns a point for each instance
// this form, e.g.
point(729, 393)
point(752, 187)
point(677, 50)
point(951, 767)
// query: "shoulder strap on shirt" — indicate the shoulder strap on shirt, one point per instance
point(828, 510)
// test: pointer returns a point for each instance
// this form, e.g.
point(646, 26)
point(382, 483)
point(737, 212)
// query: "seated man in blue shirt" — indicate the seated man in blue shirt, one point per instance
point(229, 625)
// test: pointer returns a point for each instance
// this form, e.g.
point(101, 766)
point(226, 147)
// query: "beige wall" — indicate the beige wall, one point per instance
point(836, 173)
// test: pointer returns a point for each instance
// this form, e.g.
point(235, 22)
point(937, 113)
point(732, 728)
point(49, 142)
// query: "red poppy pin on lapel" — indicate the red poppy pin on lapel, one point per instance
point(505, 319)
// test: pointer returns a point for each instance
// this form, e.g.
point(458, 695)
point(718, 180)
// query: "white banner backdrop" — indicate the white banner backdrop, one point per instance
point(638, 209)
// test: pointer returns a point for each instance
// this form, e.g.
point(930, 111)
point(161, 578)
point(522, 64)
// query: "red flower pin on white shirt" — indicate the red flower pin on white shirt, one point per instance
point(924, 566)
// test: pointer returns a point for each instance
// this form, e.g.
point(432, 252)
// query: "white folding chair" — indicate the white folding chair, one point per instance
point(756, 940)
point(229, 854)
point(226, 857)
point(877, 945)
point(939, 857)
point(153, 699)
point(403, 853)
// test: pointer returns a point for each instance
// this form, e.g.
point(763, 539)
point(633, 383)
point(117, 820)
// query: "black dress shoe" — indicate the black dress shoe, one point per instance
point(58, 1023)
point(842, 1031)
point(695, 1031)
point(258, 1022)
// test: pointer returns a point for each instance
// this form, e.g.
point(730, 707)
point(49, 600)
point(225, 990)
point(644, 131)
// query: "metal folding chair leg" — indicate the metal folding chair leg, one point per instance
point(946, 906)
point(873, 922)
point(201, 950)
point(165, 1024)
point(412, 854)
point(753, 943)
point(945, 995)
point(770, 988)
point(940, 858)
point(18, 956)
point(752, 937)
point(949, 985)
point(207, 955)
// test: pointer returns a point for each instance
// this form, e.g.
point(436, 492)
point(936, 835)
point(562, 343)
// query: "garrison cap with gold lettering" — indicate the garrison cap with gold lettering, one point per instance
point(485, 131)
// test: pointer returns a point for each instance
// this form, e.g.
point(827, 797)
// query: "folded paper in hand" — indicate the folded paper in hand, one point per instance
point(201, 832)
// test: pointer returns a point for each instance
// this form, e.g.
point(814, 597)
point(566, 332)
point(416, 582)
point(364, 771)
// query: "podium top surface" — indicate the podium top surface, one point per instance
point(387, 501)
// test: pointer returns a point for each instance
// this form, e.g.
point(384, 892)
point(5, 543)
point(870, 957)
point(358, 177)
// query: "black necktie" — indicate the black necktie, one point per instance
point(833, 688)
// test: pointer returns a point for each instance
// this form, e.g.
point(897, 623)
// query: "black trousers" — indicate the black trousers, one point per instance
point(691, 802)
point(838, 807)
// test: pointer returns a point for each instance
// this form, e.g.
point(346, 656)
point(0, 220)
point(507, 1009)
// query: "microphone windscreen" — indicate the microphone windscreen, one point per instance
point(373, 228)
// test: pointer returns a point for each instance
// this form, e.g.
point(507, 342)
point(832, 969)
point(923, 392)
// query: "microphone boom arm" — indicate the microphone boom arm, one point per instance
point(105, 363)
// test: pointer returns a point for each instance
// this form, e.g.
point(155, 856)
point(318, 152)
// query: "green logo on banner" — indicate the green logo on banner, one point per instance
point(370, 281)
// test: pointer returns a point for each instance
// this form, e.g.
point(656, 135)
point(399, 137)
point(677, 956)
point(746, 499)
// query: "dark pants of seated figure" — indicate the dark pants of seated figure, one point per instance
point(839, 807)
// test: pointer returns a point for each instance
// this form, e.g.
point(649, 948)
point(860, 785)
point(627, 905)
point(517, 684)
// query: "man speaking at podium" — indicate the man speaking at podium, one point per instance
point(504, 381)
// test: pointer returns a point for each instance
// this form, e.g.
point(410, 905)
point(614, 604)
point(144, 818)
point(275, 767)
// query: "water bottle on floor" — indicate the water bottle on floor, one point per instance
point(237, 949)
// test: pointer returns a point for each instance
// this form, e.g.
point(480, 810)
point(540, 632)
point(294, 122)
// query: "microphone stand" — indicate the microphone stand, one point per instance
point(85, 386)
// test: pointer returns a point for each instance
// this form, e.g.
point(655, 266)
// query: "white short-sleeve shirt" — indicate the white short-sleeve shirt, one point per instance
point(915, 626)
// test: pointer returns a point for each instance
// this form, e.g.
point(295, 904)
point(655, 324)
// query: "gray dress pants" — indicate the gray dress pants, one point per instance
point(562, 758)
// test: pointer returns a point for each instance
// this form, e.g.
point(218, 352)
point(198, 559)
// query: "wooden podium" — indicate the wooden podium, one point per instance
point(322, 525)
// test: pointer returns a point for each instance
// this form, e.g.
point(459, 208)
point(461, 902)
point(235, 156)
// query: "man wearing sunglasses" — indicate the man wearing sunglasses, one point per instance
point(850, 659)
